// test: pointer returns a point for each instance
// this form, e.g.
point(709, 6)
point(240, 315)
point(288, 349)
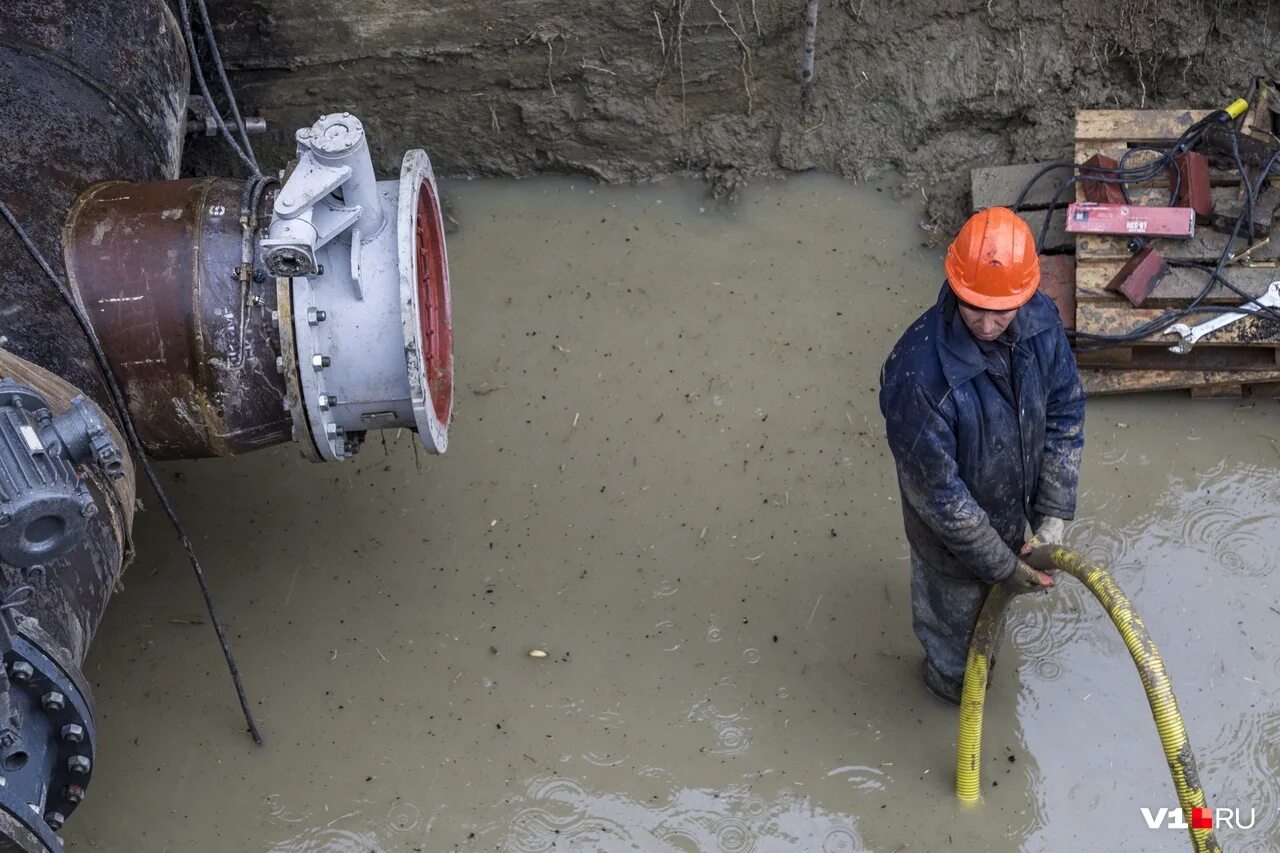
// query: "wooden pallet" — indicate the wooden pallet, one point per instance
point(1076, 269)
point(1245, 353)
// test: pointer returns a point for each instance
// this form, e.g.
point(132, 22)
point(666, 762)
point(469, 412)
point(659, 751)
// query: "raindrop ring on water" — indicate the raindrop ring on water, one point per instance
point(842, 841)
point(733, 836)
point(1048, 669)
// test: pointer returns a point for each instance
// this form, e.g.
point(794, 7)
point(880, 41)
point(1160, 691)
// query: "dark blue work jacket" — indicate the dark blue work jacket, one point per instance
point(977, 463)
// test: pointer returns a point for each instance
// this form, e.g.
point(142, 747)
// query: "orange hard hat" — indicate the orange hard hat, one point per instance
point(993, 262)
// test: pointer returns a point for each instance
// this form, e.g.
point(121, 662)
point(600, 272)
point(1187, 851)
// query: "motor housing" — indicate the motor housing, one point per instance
point(44, 503)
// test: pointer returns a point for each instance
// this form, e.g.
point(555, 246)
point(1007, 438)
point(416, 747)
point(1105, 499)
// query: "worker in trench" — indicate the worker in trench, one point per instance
point(984, 411)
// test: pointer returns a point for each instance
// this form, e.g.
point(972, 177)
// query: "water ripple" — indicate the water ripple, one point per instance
point(324, 839)
point(861, 777)
point(1245, 777)
point(558, 813)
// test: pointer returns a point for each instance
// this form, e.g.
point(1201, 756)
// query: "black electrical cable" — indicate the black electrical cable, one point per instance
point(123, 411)
point(1215, 277)
point(216, 55)
point(185, 8)
point(17, 596)
point(1268, 311)
point(1244, 179)
point(1124, 175)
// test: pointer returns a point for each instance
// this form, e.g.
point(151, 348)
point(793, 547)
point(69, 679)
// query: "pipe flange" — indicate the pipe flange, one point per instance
point(426, 311)
point(312, 361)
point(48, 759)
point(287, 365)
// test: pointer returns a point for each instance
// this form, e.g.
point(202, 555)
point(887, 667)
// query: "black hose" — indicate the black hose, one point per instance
point(126, 419)
point(1252, 187)
point(216, 55)
point(185, 8)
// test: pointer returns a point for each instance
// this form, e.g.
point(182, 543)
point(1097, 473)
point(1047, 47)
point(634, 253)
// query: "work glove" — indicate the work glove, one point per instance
point(1050, 531)
point(1027, 579)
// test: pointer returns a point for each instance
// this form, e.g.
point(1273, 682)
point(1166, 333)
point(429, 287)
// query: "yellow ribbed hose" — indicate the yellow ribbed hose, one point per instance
point(1164, 707)
point(977, 671)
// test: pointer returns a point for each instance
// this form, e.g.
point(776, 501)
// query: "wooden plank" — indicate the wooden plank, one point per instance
point(1206, 245)
point(1097, 318)
point(1102, 382)
point(1179, 286)
point(1057, 239)
point(1258, 120)
point(1222, 195)
point(1117, 149)
point(1240, 359)
point(998, 186)
point(1206, 392)
point(1148, 127)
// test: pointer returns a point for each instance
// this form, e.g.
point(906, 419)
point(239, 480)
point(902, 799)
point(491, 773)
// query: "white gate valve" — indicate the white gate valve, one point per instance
point(359, 259)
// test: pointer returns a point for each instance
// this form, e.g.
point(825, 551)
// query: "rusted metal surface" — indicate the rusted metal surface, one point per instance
point(156, 266)
point(92, 91)
point(1102, 192)
point(1139, 276)
point(1190, 173)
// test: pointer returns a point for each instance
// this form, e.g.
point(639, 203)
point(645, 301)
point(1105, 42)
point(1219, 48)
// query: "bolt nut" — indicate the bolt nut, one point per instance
point(53, 701)
point(73, 794)
point(21, 671)
point(319, 361)
point(73, 733)
point(79, 764)
point(5, 518)
point(89, 510)
point(279, 364)
point(55, 820)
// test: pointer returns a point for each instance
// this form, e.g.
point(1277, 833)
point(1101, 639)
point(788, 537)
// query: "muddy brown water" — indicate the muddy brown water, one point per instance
point(667, 471)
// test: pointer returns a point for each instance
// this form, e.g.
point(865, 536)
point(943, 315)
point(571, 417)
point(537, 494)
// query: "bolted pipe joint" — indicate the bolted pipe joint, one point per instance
point(314, 315)
point(379, 265)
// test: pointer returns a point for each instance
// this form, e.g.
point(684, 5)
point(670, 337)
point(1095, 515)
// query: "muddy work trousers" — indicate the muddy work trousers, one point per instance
point(944, 610)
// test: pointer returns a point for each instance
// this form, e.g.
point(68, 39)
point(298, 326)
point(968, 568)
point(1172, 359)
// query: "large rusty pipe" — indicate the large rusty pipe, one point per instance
point(158, 268)
point(93, 91)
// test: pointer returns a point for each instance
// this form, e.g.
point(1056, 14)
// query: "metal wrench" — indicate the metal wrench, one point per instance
point(1188, 335)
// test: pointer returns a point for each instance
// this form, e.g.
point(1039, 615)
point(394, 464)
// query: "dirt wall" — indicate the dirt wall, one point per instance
point(631, 90)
